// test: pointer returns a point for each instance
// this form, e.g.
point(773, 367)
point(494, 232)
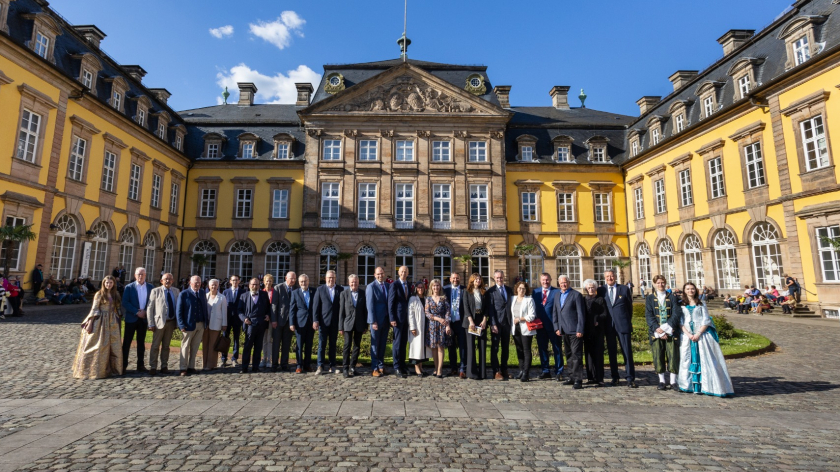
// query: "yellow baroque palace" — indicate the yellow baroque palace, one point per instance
point(728, 181)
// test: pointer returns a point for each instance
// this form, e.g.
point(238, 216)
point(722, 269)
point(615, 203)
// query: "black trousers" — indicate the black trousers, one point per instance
point(138, 329)
point(477, 367)
point(304, 336)
point(573, 347)
point(593, 349)
point(327, 339)
point(458, 348)
point(253, 346)
point(626, 345)
point(502, 339)
point(234, 325)
point(349, 357)
point(36, 287)
point(281, 346)
point(15, 303)
point(523, 350)
point(399, 344)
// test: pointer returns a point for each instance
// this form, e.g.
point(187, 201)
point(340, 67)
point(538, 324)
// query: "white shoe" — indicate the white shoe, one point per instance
point(319, 371)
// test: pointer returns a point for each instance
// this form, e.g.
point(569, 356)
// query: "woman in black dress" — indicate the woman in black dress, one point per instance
point(593, 338)
point(475, 302)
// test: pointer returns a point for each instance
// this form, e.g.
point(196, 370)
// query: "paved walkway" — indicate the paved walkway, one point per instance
point(786, 415)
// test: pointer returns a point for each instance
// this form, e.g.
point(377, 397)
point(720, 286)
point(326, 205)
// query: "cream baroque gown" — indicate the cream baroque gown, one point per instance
point(702, 367)
point(100, 352)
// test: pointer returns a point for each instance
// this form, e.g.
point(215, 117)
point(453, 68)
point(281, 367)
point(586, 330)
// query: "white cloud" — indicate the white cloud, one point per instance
point(278, 88)
point(279, 32)
point(222, 31)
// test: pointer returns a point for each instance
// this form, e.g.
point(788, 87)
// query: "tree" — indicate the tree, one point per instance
point(199, 260)
point(465, 260)
point(621, 266)
point(12, 237)
point(297, 250)
point(344, 256)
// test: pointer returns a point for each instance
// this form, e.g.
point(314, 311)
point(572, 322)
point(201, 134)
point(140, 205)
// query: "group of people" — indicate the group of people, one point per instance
point(753, 300)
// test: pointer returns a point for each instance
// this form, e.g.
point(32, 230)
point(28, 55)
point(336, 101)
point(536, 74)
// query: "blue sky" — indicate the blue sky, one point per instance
point(616, 50)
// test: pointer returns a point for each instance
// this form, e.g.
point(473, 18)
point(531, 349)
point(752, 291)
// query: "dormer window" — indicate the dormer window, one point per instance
point(800, 37)
point(212, 151)
point(527, 144)
point(654, 137)
point(88, 70)
point(679, 122)
point(43, 37)
point(213, 143)
point(597, 149)
point(634, 147)
point(143, 105)
point(248, 145)
point(162, 131)
point(283, 146)
point(42, 45)
point(801, 50)
point(744, 86)
point(116, 100)
point(87, 78)
point(141, 117)
point(564, 154)
point(563, 148)
point(707, 93)
point(118, 89)
point(679, 115)
point(163, 120)
point(654, 124)
point(744, 75)
point(708, 106)
point(634, 137)
point(527, 153)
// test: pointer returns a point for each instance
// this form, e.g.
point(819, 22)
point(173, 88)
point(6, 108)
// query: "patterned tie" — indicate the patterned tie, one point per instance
point(545, 296)
point(612, 295)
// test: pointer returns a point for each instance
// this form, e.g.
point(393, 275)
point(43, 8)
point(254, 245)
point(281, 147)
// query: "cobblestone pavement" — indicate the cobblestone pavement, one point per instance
point(785, 415)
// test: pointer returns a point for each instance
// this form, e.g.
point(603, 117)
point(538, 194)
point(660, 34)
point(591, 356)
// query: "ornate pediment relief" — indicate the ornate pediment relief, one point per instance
point(406, 94)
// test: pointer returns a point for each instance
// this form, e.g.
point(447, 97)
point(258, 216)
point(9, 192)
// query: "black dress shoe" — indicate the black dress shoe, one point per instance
point(243, 371)
point(632, 384)
point(591, 381)
point(614, 382)
point(578, 385)
point(598, 384)
point(545, 375)
point(524, 378)
point(346, 373)
point(274, 368)
point(559, 377)
point(404, 374)
point(661, 386)
point(142, 369)
point(567, 382)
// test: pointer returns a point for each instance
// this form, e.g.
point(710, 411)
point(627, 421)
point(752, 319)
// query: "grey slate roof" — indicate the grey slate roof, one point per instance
point(232, 113)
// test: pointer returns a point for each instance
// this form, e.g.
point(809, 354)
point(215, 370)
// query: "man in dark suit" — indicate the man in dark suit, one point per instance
point(398, 312)
point(135, 300)
point(192, 315)
point(499, 297)
point(255, 314)
point(620, 307)
point(352, 322)
point(453, 293)
point(544, 304)
point(325, 307)
point(662, 309)
point(300, 315)
point(234, 325)
point(283, 330)
point(376, 298)
point(569, 319)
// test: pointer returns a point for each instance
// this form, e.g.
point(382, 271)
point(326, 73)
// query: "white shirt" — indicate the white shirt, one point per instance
point(661, 297)
point(142, 295)
point(355, 297)
point(332, 292)
point(501, 288)
point(611, 289)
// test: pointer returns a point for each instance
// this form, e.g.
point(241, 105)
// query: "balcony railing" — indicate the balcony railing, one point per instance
point(442, 225)
point(405, 224)
point(479, 225)
point(329, 222)
point(367, 224)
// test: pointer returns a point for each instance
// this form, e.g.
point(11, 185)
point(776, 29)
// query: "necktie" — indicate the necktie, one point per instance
point(170, 305)
point(383, 289)
point(306, 298)
point(545, 296)
point(612, 295)
point(504, 292)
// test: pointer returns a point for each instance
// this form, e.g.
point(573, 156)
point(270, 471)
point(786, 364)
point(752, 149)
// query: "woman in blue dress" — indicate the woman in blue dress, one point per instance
point(702, 367)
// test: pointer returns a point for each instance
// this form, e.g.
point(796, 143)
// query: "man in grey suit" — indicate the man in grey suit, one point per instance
point(352, 322)
point(569, 321)
point(283, 330)
point(162, 323)
point(325, 318)
point(377, 310)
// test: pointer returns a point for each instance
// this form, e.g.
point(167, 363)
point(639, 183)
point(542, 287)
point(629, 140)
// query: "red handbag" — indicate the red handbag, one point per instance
point(534, 325)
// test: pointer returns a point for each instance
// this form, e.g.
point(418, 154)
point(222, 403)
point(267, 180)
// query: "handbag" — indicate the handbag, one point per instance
point(534, 325)
point(222, 344)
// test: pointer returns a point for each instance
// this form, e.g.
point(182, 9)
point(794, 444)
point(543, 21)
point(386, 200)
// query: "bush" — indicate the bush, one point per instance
point(725, 329)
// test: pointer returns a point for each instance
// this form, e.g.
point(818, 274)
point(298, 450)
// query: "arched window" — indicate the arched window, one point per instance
point(531, 266)
point(603, 257)
point(693, 251)
point(98, 251)
point(127, 250)
point(569, 264)
point(64, 247)
point(767, 255)
point(207, 268)
point(278, 260)
point(644, 264)
point(726, 260)
point(366, 264)
point(241, 260)
point(666, 263)
point(329, 261)
point(149, 254)
point(443, 264)
point(405, 257)
point(481, 263)
point(168, 255)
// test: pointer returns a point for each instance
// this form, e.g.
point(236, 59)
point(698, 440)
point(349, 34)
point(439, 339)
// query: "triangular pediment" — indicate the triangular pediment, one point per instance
point(404, 90)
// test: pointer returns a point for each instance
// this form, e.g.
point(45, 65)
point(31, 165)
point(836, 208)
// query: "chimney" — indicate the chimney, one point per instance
point(733, 39)
point(91, 33)
point(161, 94)
point(247, 91)
point(503, 94)
point(304, 91)
point(647, 103)
point(136, 72)
point(560, 96)
point(682, 77)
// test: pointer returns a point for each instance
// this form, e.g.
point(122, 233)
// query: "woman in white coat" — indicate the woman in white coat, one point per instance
point(417, 351)
point(217, 314)
point(522, 310)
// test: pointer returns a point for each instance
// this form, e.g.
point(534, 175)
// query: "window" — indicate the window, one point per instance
point(564, 154)
point(527, 153)
point(639, 203)
point(767, 256)
point(178, 141)
point(76, 166)
point(569, 264)
point(173, 200)
point(208, 203)
point(603, 257)
point(686, 196)
point(831, 314)
point(829, 257)
point(478, 151)
point(442, 264)
point(244, 202)
point(367, 150)
point(134, 183)
point(212, 151)
point(127, 250)
point(405, 206)
point(241, 260)
point(654, 137)
point(708, 106)
point(332, 149)
point(481, 263)
point(531, 266)
point(248, 151)
point(14, 261)
point(744, 85)
point(602, 207)
point(529, 206)
point(168, 255)
point(726, 260)
point(278, 260)
point(282, 150)
point(30, 124)
point(644, 264)
point(328, 261)
point(64, 247)
point(149, 253)
point(404, 257)
point(206, 270)
point(693, 252)
point(440, 151)
point(755, 165)
point(366, 265)
point(680, 122)
point(716, 178)
point(87, 78)
point(566, 207)
point(666, 263)
point(162, 131)
point(109, 166)
point(442, 206)
point(599, 154)
point(801, 50)
point(367, 205)
point(478, 207)
point(42, 45)
point(116, 100)
point(634, 148)
point(814, 142)
point(141, 117)
point(659, 195)
point(99, 251)
point(405, 150)
point(280, 203)
point(329, 205)
point(156, 184)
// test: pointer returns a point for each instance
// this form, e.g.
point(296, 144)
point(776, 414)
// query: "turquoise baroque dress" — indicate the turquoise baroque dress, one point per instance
point(702, 367)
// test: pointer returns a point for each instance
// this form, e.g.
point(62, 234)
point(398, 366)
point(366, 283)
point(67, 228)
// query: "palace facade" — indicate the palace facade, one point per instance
point(725, 182)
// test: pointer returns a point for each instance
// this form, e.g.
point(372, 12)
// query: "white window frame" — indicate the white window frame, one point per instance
point(767, 255)
point(99, 251)
point(744, 85)
point(693, 255)
point(162, 131)
point(829, 257)
point(680, 121)
point(528, 205)
point(666, 263)
point(405, 150)
point(754, 165)
point(404, 205)
point(244, 203)
point(368, 150)
point(178, 142)
point(566, 207)
point(278, 260)
point(599, 154)
point(87, 78)
point(686, 191)
point(149, 253)
point(569, 263)
point(442, 206)
point(367, 205)
point(141, 117)
point(208, 271)
point(527, 153)
point(157, 182)
point(815, 147)
point(134, 182)
point(638, 194)
point(330, 207)
point(564, 154)
point(708, 106)
point(332, 150)
point(28, 137)
point(283, 151)
point(441, 151)
point(241, 260)
point(76, 165)
point(13, 221)
point(62, 259)
point(248, 150)
point(168, 255)
point(208, 203)
point(109, 166)
point(213, 151)
point(479, 206)
point(42, 45)
point(173, 199)
point(478, 151)
point(280, 203)
point(654, 137)
point(716, 182)
point(126, 243)
point(726, 260)
point(659, 195)
point(116, 99)
point(634, 148)
point(603, 210)
point(801, 50)
point(644, 264)
point(366, 264)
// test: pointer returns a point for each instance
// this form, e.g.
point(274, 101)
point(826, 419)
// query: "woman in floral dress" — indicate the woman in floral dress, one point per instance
point(100, 351)
point(439, 333)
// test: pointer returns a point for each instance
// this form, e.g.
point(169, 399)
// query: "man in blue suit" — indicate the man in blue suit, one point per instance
point(300, 315)
point(255, 314)
point(192, 315)
point(569, 319)
point(454, 291)
point(234, 325)
point(619, 303)
point(398, 313)
point(377, 309)
point(135, 300)
point(544, 303)
point(325, 309)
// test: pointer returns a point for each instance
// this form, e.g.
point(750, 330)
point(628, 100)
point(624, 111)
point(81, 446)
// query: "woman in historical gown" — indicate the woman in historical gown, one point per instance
point(702, 367)
point(100, 350)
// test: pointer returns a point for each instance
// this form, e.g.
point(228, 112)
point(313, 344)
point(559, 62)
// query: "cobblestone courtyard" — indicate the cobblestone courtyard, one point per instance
point(785, 415)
